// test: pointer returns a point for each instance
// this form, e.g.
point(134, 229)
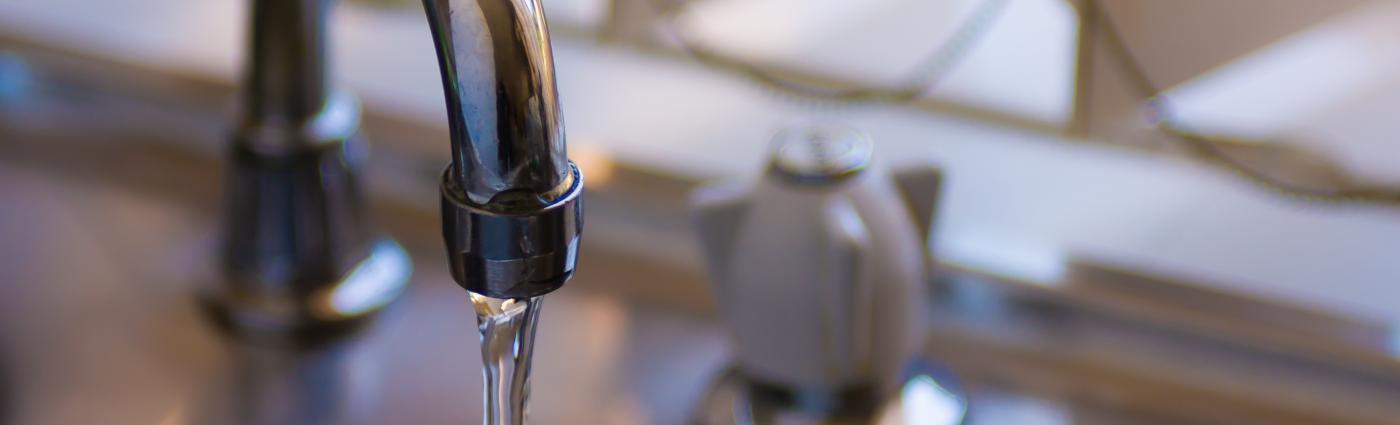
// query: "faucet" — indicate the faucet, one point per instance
point(511, 199)
point(512, 206)
point(299, 254)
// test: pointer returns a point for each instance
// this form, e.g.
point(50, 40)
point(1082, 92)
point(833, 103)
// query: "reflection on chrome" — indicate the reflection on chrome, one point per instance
point(370, 285)
point(928, 403)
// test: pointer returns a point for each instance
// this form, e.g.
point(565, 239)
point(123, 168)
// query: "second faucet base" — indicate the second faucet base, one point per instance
point(331, 309)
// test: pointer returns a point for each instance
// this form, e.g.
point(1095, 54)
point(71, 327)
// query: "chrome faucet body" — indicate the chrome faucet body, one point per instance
point(511, 200)
point(299, 253)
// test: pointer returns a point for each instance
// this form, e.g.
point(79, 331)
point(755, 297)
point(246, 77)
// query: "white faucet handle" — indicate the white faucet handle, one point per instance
point(845, 284)
point(717, 212)
point(817, 266)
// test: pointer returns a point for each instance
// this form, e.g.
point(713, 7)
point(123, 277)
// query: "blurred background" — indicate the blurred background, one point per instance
point(1151, 211)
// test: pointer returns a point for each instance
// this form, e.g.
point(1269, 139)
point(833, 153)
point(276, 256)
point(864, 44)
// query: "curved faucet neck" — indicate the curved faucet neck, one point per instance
point(503, 108)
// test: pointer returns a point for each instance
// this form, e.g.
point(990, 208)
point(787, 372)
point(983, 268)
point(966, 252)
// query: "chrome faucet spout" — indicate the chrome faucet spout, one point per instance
point(511, 204)
point(503, 108)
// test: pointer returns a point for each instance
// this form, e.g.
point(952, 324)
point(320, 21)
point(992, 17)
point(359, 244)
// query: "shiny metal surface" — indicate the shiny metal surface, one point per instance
point(511, 201)
point(525, 254)
point(286, 85)
point(299, 253)
point(502, 103)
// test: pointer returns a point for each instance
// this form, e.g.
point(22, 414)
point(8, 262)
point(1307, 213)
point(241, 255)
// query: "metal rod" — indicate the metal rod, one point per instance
point(286, 81)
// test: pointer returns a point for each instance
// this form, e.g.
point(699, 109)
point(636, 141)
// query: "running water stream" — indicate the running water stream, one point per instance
point(507, 330)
